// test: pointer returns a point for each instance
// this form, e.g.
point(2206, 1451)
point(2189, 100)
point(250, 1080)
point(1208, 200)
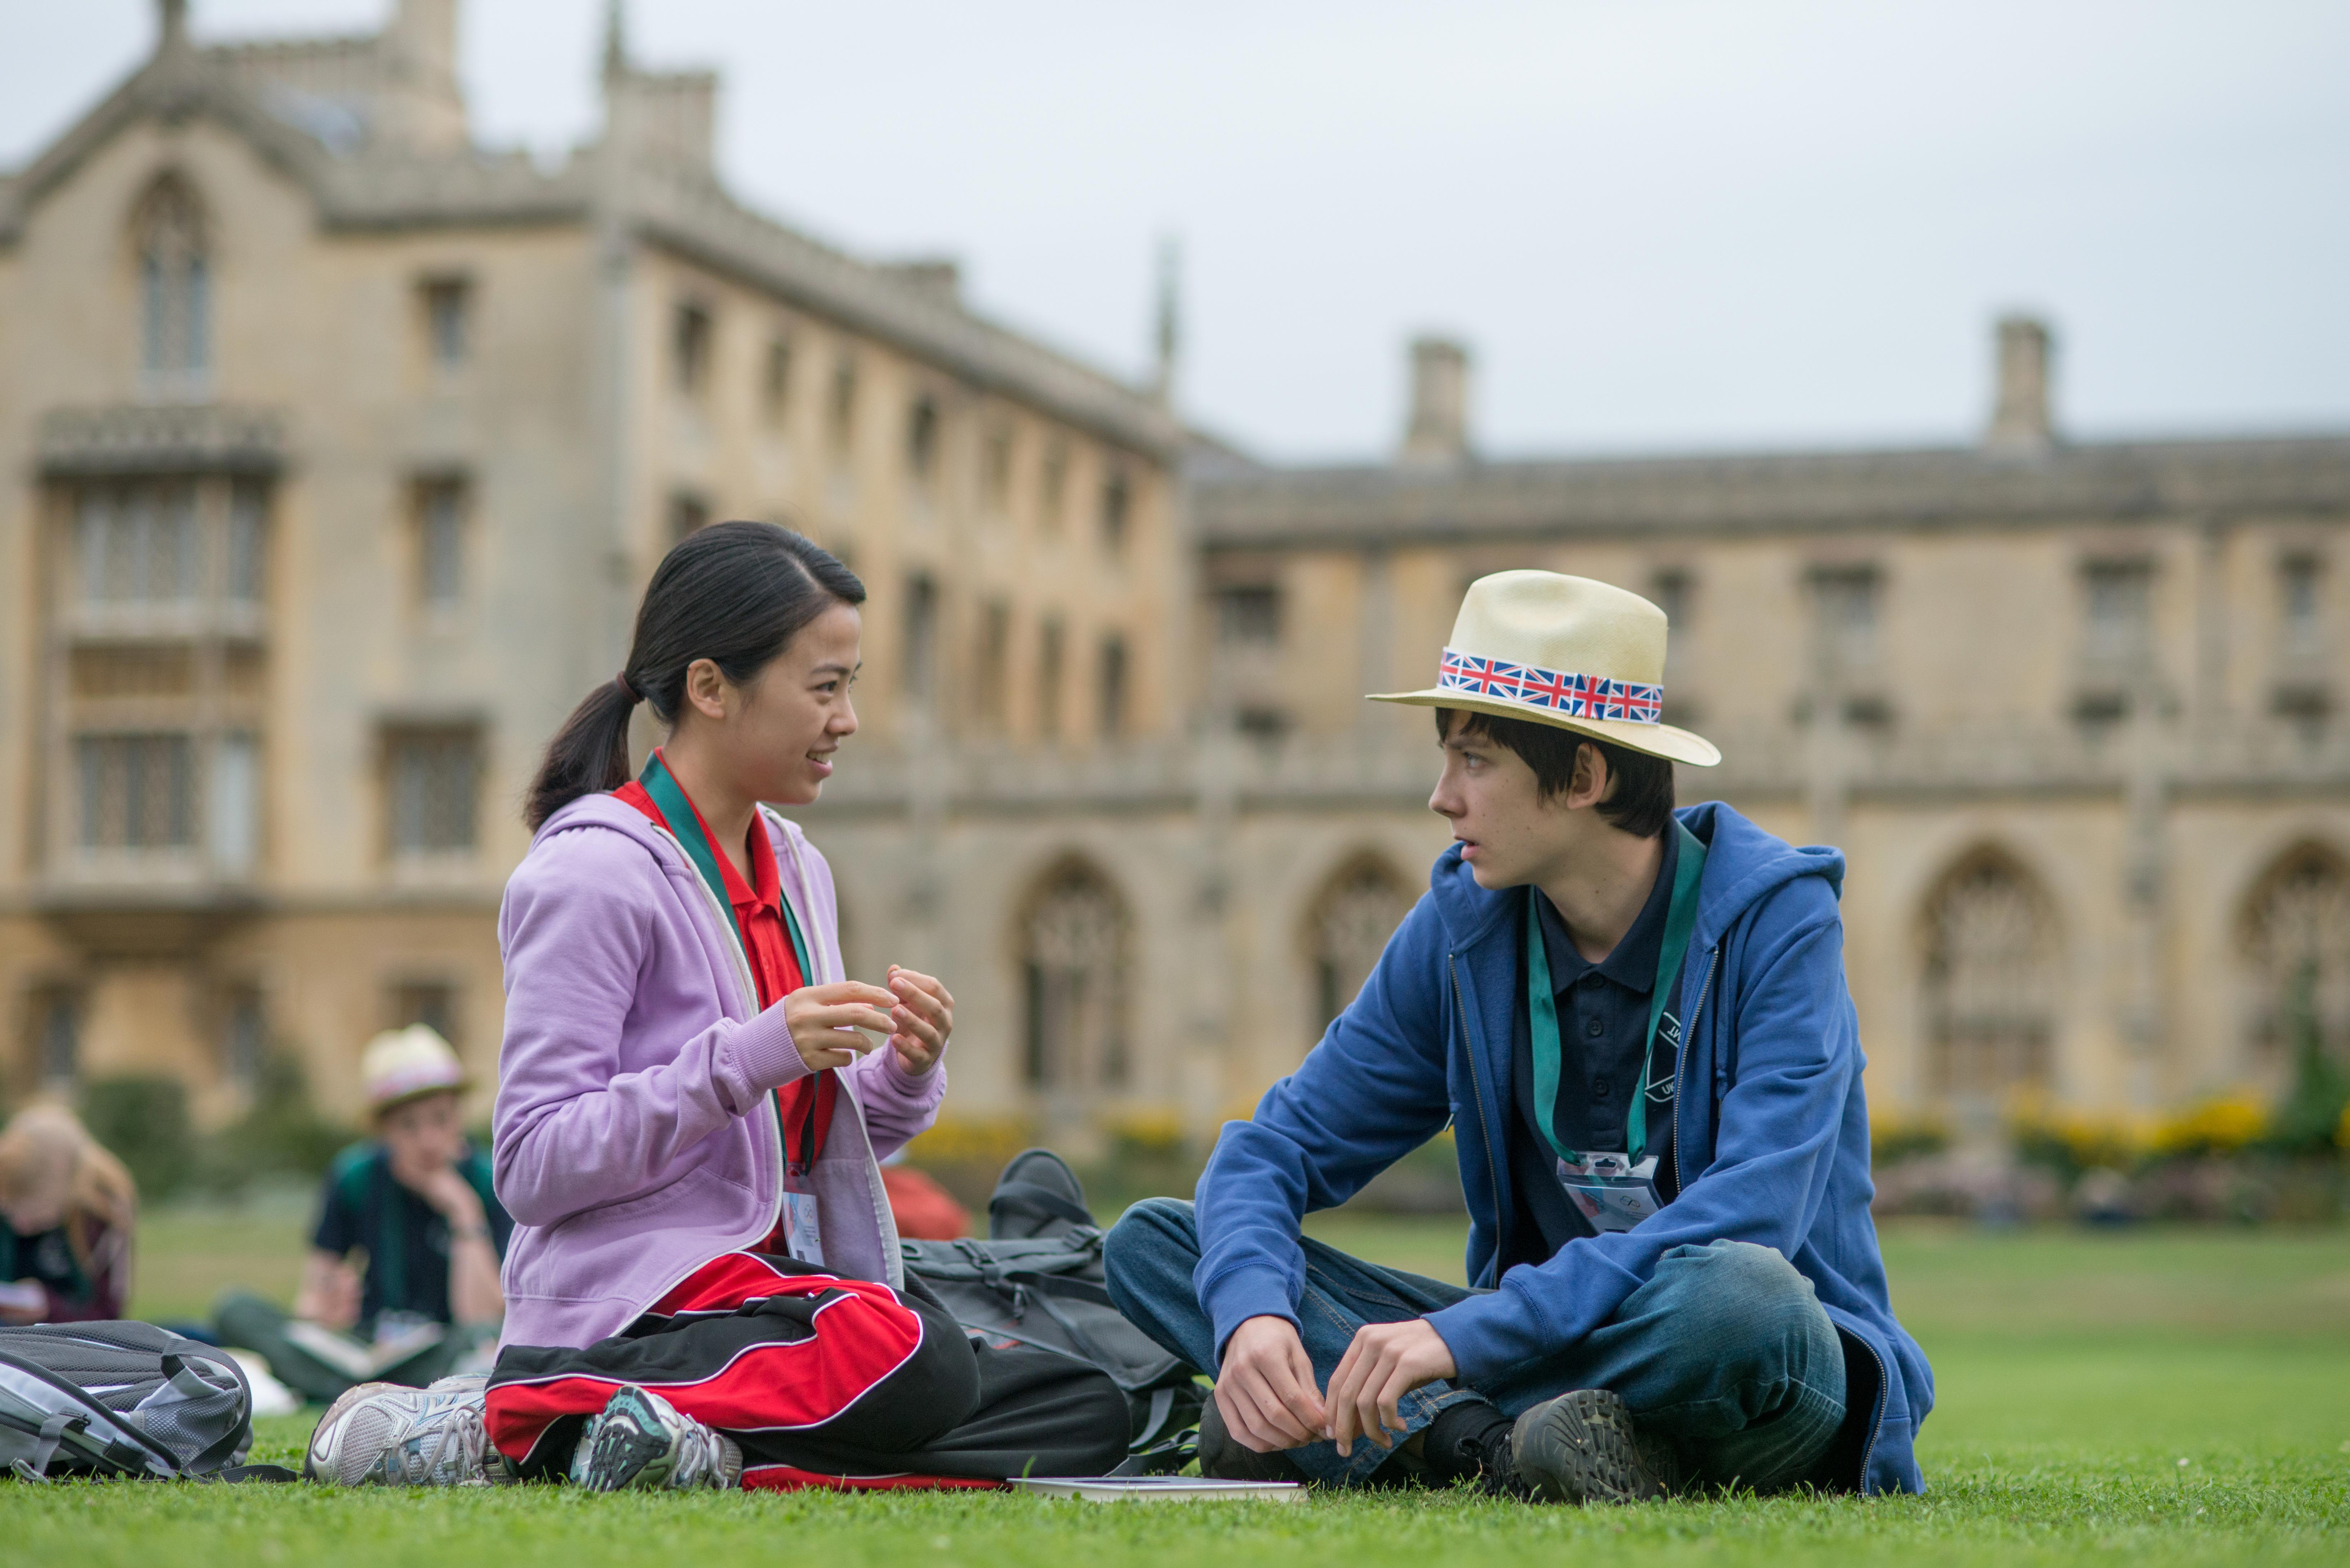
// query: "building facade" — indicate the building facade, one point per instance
point(336, 451)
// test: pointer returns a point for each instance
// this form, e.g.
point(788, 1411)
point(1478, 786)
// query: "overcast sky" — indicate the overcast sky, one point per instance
point(1674, 223)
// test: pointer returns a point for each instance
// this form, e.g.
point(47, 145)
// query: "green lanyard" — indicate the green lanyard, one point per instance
point(685, 822)
point(1542, 1006)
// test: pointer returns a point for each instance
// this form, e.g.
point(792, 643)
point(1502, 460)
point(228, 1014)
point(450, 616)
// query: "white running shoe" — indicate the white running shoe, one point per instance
point(641, 1441)
point(381, 1434)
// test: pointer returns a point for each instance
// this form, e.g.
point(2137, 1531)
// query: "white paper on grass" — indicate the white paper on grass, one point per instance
point(1160, 1489)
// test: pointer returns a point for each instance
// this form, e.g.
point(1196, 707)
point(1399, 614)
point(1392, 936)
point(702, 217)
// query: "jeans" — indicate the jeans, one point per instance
point(1725, 1355)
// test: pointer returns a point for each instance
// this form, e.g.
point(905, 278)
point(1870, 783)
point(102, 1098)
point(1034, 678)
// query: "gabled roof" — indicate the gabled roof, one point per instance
point(360, 183)
point(1763, 493)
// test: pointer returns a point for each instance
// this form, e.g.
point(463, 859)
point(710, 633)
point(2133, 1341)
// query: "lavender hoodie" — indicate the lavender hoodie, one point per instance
point(634, 1137)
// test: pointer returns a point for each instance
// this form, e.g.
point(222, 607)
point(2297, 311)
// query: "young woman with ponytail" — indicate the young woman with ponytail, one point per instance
point(704, 1285)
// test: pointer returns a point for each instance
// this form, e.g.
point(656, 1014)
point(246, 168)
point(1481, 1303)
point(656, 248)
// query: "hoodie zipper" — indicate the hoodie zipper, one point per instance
point(1689, 1035)
point(725, 918)
point(1476, 1083)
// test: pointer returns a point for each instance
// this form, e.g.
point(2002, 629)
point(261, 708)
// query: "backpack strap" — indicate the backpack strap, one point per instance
point(52, 1433)
point(1036, 1202)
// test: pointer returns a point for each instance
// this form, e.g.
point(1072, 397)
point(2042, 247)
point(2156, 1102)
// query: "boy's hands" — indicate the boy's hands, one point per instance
point(1386, 1361)
point(1265, 1388)
point(922, 1019)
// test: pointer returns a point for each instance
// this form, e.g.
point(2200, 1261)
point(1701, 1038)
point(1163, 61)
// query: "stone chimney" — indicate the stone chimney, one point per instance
point(662, 116)
point(419, 104)
point(1438, 432)
point(2019, 420)
point(172, 26)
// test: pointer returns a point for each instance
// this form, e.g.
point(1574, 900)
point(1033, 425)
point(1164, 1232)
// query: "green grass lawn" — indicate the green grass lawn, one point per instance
point(2143, 1398)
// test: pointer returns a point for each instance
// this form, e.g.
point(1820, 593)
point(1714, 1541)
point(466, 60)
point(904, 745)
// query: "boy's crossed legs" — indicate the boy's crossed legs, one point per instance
point(1725, 1355)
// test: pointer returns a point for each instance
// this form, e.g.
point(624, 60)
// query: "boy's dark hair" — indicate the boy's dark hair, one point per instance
point(1643, 799)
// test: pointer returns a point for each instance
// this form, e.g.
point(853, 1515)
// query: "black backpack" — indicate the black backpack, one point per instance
point(1038, 1281)
point(125, 1400)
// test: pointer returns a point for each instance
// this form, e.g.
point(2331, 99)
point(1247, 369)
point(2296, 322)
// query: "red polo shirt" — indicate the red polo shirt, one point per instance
point(804, 1106)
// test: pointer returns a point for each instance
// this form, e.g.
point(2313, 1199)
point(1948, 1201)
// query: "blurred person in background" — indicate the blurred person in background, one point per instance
point(401, 1283)
point(693, 1099)
point(67, 1212)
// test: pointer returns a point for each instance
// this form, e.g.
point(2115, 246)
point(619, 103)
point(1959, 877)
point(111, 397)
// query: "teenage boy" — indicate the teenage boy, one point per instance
point(401, 1283)
point(1635, 1021)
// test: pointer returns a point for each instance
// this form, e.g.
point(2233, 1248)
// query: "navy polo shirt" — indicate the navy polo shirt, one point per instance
point(1603, 1022)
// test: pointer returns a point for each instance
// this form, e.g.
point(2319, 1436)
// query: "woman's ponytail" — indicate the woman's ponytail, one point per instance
point(589, 754)
point(733, 593)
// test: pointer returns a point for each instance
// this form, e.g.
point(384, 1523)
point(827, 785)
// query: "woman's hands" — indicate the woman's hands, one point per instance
point(915, 1012)
point(825, 1019)
point(922, 1019)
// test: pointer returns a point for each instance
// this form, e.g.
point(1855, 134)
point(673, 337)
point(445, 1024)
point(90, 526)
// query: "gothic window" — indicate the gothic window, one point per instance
point(1051, 641)
point(433, 778)
point(1073, 961)
point(689, 334)
point(2117, 605)
point(1112, 692)
point(138, 544)
point(776, 388)
point(1990, 982)
point(1249, 615)
point(441, 542)
point(174, 286)
point(1052, 487)
point(994, 661)
point(922, 439)
point(1116, 508)
point(138, 792)
point(2297, 936)
point(2301, 606)
point(448, 325)
point(1846, 601)
point(921, 676)
point(1358, 909)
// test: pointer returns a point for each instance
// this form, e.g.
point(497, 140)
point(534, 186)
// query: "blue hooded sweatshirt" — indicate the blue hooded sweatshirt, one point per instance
point(1770, 1132)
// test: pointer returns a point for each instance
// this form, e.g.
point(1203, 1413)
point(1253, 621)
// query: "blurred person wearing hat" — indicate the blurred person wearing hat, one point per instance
point(401, 1280)
point(66, 1211)
point(1635, 1020)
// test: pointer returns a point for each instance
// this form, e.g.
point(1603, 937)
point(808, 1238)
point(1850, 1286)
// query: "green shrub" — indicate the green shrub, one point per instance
point(143, 1119)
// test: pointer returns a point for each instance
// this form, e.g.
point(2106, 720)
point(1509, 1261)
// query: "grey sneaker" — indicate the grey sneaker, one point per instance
point(381, 1434)
point(1580, 1448)
point(642, 1442)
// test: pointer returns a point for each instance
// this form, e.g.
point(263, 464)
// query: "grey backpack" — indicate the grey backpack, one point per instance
point(124, 1399)
point(1048, 1291)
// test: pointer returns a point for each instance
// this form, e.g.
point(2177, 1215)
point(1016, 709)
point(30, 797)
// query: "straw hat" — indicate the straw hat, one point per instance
point(403, 1065)
point(1565, 652)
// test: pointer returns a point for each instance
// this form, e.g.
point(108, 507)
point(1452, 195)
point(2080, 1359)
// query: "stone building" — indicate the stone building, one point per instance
point(337, 449)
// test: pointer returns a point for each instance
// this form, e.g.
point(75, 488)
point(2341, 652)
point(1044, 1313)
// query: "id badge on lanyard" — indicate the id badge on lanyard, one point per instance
point(1610, 1191)
point(803, 1237)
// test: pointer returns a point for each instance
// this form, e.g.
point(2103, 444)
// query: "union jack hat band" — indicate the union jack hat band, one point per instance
point(1560, 691)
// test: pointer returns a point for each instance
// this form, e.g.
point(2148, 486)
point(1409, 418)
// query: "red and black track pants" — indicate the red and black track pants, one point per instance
point(824, 1382)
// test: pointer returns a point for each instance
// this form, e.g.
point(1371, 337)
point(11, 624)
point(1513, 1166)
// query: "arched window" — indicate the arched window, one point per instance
point(174, 285)
point(2296, 933)
point(1074, 943)
point(1347, 928)
point(1991, 981)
